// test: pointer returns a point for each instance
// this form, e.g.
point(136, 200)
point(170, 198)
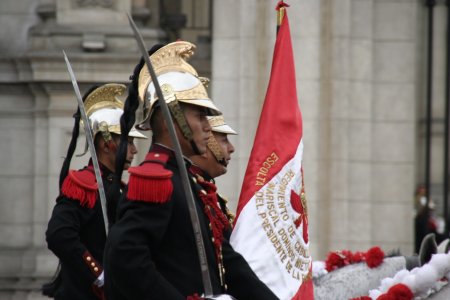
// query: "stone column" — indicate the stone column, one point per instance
point(395, 97)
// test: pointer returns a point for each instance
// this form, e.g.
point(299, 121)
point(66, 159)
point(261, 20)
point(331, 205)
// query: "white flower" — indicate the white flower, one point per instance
point(318, 269)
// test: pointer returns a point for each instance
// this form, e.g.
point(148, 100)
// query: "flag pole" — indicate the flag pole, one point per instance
point(281, 8)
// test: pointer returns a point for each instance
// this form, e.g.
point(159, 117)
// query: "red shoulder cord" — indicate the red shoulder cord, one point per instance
point(218, 220)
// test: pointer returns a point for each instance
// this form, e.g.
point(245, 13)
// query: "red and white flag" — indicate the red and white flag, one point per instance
point(271, 227)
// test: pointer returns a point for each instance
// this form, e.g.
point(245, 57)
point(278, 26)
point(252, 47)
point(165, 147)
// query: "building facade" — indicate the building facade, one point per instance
point(361, 84)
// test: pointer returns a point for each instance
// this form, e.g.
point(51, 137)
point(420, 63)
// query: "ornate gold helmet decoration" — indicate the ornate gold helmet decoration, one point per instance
point(179, 81)
point(218, 124)
point(104, 110)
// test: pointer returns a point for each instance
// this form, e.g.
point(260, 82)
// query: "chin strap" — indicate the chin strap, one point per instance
point(215, 149)
point(178, 115)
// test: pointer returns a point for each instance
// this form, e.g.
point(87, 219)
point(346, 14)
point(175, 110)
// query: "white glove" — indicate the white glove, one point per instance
point(100, 281)
point(222, 297)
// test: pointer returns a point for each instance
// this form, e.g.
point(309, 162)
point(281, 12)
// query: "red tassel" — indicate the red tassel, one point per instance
point(77, 187)
point(150, 182)
point(149, 189)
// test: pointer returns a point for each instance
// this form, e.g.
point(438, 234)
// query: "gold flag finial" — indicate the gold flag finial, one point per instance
point(280, 13)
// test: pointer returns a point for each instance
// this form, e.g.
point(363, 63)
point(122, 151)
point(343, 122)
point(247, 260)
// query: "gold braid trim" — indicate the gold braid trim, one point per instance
point(104, 96)
point(195, 93)
point(228, 213)
point(215, 148)
point(215, 121)
point(179, 117)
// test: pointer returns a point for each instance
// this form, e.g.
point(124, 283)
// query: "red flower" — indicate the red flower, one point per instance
point(374, 257)
point(348, 257)
point(334, 261)
point(358, 257)
point(400, 292)
point(385, 297)
point(362, 298)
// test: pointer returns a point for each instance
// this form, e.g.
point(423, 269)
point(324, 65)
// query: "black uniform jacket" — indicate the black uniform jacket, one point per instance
point(76, 233)
point(151, 251)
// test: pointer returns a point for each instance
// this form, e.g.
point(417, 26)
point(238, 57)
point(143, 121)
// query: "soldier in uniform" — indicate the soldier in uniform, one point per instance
point(76, 230)
point(151, 250)
point(215, 161)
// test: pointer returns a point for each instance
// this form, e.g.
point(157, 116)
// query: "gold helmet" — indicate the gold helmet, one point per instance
point(179, 82)
point(104, 110)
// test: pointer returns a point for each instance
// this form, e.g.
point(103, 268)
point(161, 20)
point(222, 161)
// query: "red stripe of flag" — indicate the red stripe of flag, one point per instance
point(280, 125)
